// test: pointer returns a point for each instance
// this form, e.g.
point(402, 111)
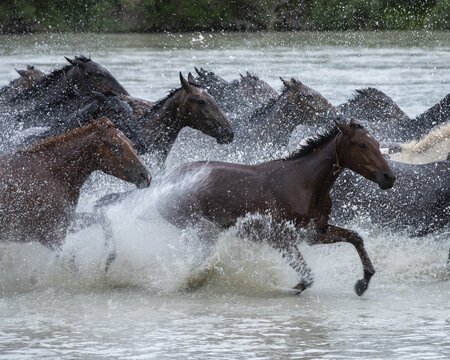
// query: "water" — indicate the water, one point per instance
point(237, 304)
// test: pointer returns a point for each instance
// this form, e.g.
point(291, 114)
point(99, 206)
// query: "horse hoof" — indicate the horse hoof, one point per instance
point(361, 287)
point(302, 285)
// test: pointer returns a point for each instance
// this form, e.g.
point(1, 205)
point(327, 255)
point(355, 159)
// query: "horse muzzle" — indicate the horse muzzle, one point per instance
point(385, 179)
point(143, 180)
point(225, 136)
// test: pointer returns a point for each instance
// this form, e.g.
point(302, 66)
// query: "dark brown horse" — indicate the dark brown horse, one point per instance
point(40, 186)
point(272, 125)
point(26, 79)
point(295, 189)
point(187, 106)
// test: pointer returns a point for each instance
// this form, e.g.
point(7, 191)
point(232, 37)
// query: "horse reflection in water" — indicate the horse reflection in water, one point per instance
point(295, 189)
point(40, 186)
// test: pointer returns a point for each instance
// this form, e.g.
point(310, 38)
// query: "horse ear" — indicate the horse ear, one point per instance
point(70, 61)
point(185, 83)
point(103, 122)
point(354, 122)
point(285, 83)
point(346, 130)
point(191, 79)
point(22, 73)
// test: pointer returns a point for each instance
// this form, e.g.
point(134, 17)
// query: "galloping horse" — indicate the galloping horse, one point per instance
point(294, 189)
point(54, 97)
point(238, 98)
point(188, 105)
point(40, 186)
point(386, 120)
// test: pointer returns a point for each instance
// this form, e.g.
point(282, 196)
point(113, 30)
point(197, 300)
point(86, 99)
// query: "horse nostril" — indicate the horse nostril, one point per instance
point(389, 177)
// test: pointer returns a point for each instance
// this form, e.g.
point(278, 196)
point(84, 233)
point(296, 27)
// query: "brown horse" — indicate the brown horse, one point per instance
point(40, 186)
point(295, 189)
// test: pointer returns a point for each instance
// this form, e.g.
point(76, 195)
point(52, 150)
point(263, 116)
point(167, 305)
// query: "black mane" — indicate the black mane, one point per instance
point(317, 141)
point(264, 109)
point(157, 105)
point(49, 79)
point(160, 102)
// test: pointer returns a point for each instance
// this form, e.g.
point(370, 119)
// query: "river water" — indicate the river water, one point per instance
point(237, 305)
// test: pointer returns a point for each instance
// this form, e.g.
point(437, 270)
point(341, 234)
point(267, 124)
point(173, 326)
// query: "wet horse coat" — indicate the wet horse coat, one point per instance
point(295, 189)
point(40, 186)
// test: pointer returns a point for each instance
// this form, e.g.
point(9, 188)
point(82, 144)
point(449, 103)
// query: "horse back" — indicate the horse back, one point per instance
point(223, 192)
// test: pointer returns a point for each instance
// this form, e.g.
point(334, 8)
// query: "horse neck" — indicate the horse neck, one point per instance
point(55, 89)
point(281, 121)
point(71, 161)
point(323, 166)
point(162, 126)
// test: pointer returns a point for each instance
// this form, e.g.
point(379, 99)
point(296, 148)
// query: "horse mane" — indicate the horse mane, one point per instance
point(312, 143)
point(157, 105)
point(264, 109)
point(51, 77)
point(250, 76)
point(441, 133)
point(362, 93)
point(58, 139)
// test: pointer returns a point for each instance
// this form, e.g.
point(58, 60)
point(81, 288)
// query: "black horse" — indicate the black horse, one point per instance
point(387, 121)
point(419, 203)
point(50, 99)
point(238, 98)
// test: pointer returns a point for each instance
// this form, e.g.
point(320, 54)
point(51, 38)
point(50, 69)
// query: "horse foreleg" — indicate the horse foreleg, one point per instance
point(296, 260)
point(333, 234)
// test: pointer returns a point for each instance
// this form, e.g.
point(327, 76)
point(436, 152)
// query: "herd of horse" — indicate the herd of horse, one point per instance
point(57, 128)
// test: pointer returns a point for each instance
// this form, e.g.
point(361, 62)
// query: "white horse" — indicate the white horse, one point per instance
point(435, 146)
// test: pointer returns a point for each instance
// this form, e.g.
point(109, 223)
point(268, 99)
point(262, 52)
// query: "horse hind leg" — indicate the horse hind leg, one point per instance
point(296, 260)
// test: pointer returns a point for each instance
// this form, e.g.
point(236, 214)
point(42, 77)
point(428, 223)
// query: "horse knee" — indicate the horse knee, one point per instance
point(356, 239)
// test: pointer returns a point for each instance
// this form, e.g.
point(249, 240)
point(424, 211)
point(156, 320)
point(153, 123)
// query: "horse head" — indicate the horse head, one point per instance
point(200, 111)
point(371, 104)
point(306, 104)
point(116, 155)
point(91, 76)
point(29, 76)
point(255, 89)
point(360, 152)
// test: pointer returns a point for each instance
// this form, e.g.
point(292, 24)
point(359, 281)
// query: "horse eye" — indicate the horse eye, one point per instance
point(362, 146)
point(201, 102)
point(115, 148)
